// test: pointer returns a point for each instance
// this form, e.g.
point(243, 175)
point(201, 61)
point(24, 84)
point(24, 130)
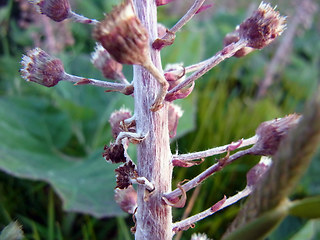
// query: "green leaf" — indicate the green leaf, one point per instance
point(310, 231)
point(33, 136)
point(260, 227)
point(306, 208)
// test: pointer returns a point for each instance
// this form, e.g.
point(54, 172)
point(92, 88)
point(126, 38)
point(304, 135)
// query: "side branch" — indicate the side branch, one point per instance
point(186, 18)
point(225, 53)
point(169, 37)
point(188, 222)
point(81, 19)
point(124, 88)
point(172, 196)
point(216, 150)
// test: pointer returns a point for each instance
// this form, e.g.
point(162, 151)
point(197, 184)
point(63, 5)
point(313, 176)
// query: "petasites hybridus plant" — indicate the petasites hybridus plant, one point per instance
point(130, 34)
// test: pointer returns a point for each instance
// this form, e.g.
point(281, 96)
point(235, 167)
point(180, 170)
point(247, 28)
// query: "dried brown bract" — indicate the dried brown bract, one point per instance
point(125, 173)
point(114, 153)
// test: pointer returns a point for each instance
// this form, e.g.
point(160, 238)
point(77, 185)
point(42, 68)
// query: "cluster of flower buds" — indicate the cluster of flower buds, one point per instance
point(271, 133)
point(57, 10)
point(103, 61)
point(262, 27)
point(40, 67)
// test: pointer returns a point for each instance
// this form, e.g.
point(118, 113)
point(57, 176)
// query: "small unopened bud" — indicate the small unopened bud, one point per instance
point(162, 30)
point(114, 153)
point(262, 27)
point(174, 114)
point(256, 173)
point(57, 10)
point(115, 121)
point(163, 2)
point(203, 8)
point(40, 67)
point(126, 199)
point(271, 133)
point(125, 174)
point(173, 73)
point(233, 37)
point(123, 36)
point(103, 61)
point(199, 236)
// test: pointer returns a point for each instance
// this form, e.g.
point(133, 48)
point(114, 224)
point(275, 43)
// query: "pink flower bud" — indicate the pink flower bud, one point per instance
point(262, 27)
point(57, 10)
point(271, 133)
point(163, 2)
point(102, 60)
point(115, 121)
point(40, 67)
point(126, 199)
point(125, 173)
point(123, 36)
point(174, 114)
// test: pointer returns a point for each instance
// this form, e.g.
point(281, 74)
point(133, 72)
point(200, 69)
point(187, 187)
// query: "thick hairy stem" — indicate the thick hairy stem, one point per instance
point(153, 217)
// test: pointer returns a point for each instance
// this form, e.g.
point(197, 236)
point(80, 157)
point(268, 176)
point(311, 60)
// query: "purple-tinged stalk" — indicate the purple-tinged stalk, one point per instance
point(269, 136)
point(169, 37)
point(39, 67)
point(59, 10)
point(253, 177)
point(256, 32)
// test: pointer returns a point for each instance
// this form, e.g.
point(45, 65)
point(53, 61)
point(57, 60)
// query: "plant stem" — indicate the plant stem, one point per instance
point(153, 217)
point(82, 19)
point(225, 53)
point(213, 151)
point(171, 196)
point(227, 202)
point(98, 83)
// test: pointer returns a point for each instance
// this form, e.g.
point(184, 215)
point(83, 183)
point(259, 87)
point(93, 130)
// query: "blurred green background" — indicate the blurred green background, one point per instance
point(53, 179)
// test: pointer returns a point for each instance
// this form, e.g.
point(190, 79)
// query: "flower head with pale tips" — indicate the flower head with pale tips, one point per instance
point(40, 67)
point(57, 10)
point(123, 36)
point(262, 27)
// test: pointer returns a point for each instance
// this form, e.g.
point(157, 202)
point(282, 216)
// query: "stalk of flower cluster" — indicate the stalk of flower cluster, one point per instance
point(169, 37)
point(153, 217)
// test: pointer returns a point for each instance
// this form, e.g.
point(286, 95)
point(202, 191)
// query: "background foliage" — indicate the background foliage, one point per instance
point(52, 139)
